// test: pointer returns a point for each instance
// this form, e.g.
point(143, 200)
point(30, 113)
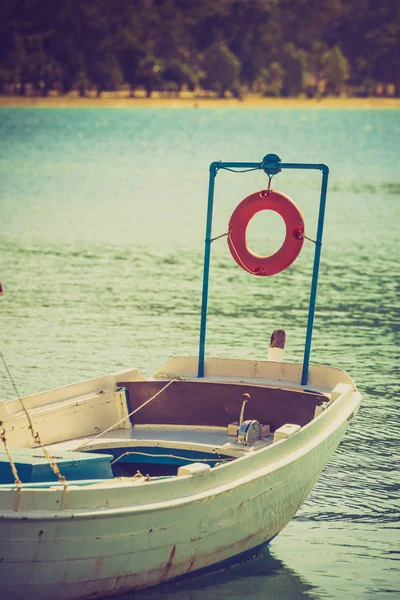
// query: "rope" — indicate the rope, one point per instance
point(228, 233)
point(35, 435)
point(240, 260)
point(18, 482)
point(9, 374)
point(268, 191)
point(54, 466)
point(219, 236)
point(89, 441)
point(238, 170)
point(305, 237)
point(37, 440)
point(171, 456)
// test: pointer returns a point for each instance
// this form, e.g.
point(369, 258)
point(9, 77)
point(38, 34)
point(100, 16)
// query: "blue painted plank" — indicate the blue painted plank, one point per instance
point(33, 466)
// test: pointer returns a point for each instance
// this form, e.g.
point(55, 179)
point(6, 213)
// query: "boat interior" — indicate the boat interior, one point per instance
point(170, 426)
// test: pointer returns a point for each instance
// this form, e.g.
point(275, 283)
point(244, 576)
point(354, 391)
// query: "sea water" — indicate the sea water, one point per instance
point(102, 215)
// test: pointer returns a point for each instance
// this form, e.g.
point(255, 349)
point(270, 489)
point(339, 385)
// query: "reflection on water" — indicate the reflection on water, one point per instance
point(264, 577)
point(102, 218)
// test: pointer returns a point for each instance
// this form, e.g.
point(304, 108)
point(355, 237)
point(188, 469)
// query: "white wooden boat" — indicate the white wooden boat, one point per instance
point(121, 482)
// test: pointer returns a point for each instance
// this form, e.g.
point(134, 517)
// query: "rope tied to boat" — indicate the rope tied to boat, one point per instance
point(6, 366)
point(35, 434)
point(90, 440)
point(18, 482)
point(36, 437)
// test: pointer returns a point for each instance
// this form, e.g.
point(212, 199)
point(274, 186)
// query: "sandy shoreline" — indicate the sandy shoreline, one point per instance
point(190, 102)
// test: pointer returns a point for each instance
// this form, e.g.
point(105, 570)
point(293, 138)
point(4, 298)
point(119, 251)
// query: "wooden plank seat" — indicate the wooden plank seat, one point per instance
point(207, 403)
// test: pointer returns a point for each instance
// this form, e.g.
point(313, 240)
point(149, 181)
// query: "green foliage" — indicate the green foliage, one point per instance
point(253, 36)
point(221, 69)
point(303, 22)
point(5, 78)
point(274, 78)
point(369, 38)
point(104, 71)
point(335, 70)
point(81, 82)
point(129, 57)
point(149, 74)
point(276, 46)
point(294, 64)
point(316, 64)
point(180, 73)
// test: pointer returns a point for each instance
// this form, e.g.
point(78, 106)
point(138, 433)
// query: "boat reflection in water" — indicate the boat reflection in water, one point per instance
point(264, 577)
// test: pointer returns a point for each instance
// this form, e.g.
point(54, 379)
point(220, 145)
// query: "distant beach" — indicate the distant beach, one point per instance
point(111, 100)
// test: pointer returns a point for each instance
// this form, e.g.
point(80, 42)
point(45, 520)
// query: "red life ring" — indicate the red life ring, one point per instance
point(293, 242)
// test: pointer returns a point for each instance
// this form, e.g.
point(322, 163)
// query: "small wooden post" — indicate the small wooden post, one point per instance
point(276, 348)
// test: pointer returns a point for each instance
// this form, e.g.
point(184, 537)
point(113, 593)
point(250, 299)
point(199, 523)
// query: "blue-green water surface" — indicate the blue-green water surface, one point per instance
point(102, 216)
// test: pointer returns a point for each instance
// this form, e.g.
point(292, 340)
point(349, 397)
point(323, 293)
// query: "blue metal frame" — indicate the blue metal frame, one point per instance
point(271, 165)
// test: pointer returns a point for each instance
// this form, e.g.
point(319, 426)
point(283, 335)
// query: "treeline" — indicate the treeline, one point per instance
point(274, 47)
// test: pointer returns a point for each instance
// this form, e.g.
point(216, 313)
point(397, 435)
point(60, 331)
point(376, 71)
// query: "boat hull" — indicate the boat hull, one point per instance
point(97, 553)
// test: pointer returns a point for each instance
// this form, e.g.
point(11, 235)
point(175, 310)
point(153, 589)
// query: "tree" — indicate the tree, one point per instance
point(274, 77)
point(23, 44)
point(316, 66)
point(369, 38)
point(221, 69)
point(149, 74)
point(305, 21)
point(335, 70)
point(180, 73)
point(68, 44)
point(293, 62)
point(385, 45)
point(130, 54)
point(253, 36)
point(155, 42)
point(104, 70)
